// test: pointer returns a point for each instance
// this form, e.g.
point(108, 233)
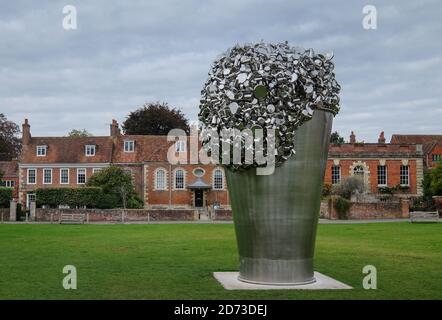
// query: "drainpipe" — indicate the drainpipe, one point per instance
point(170, 186)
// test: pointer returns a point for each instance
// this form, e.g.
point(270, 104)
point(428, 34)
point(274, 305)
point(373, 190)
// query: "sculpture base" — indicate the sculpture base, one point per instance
point(230, 281)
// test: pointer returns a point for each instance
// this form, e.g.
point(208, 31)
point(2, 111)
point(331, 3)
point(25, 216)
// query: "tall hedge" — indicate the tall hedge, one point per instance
point(5, 197)
point(89, 197)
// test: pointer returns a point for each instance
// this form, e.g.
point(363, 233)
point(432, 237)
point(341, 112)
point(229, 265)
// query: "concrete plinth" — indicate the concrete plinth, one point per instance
point(229, 280)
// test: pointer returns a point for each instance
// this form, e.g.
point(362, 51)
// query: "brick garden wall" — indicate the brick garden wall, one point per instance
point(370, 210)
point(118, 215)
point(224, 215)
point(4, 214)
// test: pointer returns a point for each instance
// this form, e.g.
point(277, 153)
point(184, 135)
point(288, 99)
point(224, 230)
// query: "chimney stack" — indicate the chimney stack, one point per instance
point(114, 129)
point(352, 137)
point(26, 132)
point(381, 138)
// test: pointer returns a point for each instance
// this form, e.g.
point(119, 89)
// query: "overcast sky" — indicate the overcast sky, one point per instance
point(130, 52)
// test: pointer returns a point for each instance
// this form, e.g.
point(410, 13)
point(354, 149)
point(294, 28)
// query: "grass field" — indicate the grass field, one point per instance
point(176, 261)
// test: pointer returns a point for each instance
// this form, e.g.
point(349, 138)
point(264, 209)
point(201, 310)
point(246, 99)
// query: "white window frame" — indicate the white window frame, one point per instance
point(8, 183)
point(78, 175)
point(90, 150)
point(180, 146)
point(35, 176)
point(61, 177)
point(42, 151)
point(214, 185)
point(28, 200)
point(164, 181)
point(96, 170)
point(335, 176)
point(44, 175)
point(175, 179)
point(402, 175)
point(385, 174)
point(128, 143)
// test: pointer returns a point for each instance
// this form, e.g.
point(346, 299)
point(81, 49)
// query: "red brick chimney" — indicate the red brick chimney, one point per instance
point(352, 137)
point(114, 129)
point(381, 138)
point(26, 132)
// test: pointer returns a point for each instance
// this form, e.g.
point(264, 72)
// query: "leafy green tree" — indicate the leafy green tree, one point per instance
point(10, 143)
point(433, 181)
point(74, 133)
point(117, 185)
point(155, 119)
point(336, 138)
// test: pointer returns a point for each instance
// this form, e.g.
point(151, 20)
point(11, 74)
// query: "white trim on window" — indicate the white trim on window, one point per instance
point(42, 150)
point(96, 170)
point(34, 178)
point(216, 176)
point(180, 146)
point(129, 145)
point(404, 175)
point(382, 175)
point(81, 171)
point(179, 183)
point(90, 150)
point(7, 183)
point(160, 179)
point(49, 181)
point(61, 176)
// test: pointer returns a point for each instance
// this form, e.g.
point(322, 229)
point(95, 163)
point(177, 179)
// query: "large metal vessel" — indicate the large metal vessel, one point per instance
point(276, 215)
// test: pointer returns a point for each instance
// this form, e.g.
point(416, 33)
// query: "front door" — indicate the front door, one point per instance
point(198, 198)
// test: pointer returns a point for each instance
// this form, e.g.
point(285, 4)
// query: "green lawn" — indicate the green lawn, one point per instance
point(176, 261)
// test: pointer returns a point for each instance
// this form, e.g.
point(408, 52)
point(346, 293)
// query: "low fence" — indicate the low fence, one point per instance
point(117, 215)
point(368, 210)
point(222, 215)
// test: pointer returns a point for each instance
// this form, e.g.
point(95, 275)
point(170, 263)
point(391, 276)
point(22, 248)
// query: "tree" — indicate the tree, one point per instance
point(74, 133)
point(155, 119)
point(349, 186)
point(433, 181)
point(116, 183)
point(336, 138)
point(10, 143)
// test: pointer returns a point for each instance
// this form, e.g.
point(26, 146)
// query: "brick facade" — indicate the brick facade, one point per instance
point(365, 159)
point(147, 155)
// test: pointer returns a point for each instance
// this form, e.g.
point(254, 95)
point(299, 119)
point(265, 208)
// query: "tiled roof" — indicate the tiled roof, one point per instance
point(373, 150)
point(68, 150)
point(108, 149)
point(9, 168)
point(428, 141)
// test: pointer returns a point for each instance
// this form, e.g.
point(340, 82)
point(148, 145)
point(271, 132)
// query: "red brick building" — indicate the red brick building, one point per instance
point(431, 146)
point(48, 162)
point(9, 169)
point(378, 164)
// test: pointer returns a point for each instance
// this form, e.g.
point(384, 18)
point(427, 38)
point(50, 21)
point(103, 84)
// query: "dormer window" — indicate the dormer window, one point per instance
point(180, 146)
point(41, 151)
point(90, 150)
point(129, 146)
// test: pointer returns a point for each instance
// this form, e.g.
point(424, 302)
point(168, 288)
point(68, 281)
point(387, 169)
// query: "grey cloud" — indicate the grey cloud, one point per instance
point(126, 53)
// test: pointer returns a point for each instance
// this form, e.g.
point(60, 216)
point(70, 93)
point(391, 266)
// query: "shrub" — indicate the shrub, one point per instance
point(134, 202)
point(387, 190)
point(342, 207)
point(73, 197)
point(348, 187)
point(116, 182)
point(108, 201)
point(326, 190)
point(5, 197)
point(422, 204)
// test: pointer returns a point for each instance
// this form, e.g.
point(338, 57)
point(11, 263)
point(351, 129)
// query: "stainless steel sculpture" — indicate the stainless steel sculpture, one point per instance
point(292, 92)
point(276, 215)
